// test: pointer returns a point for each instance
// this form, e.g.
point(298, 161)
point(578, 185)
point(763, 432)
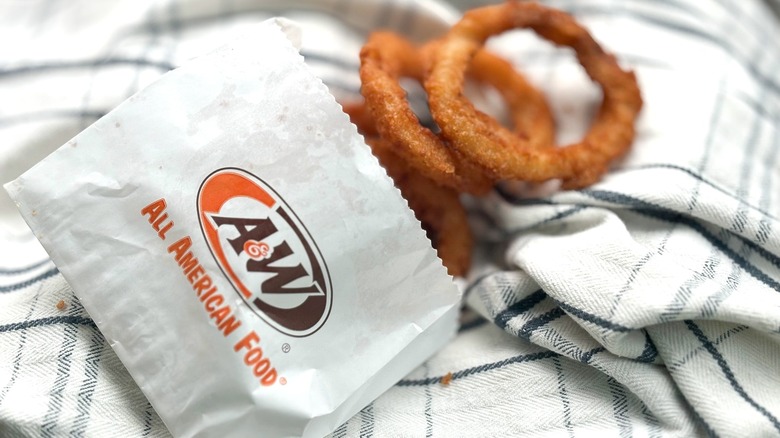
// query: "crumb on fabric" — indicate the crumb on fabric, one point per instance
point(61, 305)
point(447, 379)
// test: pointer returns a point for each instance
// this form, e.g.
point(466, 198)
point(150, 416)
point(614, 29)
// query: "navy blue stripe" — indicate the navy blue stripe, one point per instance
point(728, 373)
point(12, 271)
point(563, 394)
point(650, 352)
point(480, 369)
point(51, 320)
point(341, 431)
point(88, 384)
point(476, 215)
point(707, 428)
point(764, 226)
point(676, 365)
point(27, 283)
point(684, 292)
point(556, 217)
point(367, 421)
point(635, 269)
point(469, 325)
point(758, 106)
point(148, 414)
point(731, 285)
point(518, 308)
point(704, 180)
point(88, 63)
point(428, 404)
point(478, 282)
point(654, 427)
point(529, 327)
point(620, 407)
point(668, 215)
point(587, 356)
point(19, 349)
point(746, 265)
point(51, 426)
point(589, 317)
point(511, 198)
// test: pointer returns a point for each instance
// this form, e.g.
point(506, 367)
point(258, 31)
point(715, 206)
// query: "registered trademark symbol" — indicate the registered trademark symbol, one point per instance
point(286, 347)
point(282, 381)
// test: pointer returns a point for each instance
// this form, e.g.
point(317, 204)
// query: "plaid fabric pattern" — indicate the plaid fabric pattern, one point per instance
point(646, 305)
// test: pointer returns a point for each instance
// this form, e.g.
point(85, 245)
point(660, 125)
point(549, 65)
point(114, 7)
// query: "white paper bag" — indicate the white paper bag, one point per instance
point(240, 248)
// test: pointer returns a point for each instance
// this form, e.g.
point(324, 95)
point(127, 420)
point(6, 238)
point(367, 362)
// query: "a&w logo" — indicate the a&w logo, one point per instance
point(265, 251)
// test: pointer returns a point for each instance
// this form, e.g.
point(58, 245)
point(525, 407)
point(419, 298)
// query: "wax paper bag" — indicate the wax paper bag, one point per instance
point(240, 248)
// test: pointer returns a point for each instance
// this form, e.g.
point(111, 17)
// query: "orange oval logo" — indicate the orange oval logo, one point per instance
point(265, 251)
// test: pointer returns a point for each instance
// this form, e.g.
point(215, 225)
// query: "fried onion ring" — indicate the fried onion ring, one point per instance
point(579, 164)
point(437, 208)
point(386, 57)
point(360, 117)
point(530, 114)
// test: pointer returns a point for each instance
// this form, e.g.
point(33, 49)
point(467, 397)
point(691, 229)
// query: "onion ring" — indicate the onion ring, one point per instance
point(579, 164)
point(437, 208)
point(386, 57)
point(361, 118)
point(530, 115)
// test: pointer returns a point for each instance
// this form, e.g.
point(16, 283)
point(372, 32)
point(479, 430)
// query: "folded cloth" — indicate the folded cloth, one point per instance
point(645, 305)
